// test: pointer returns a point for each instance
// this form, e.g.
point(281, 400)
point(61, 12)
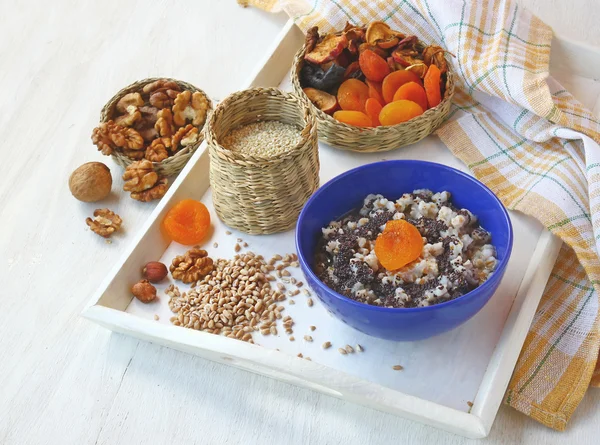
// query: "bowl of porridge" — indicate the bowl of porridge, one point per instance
point(404, 250)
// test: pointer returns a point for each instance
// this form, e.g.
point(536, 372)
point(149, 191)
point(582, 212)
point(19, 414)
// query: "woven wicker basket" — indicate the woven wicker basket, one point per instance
point(383, 138)
point(262, 195)
point(173, 164)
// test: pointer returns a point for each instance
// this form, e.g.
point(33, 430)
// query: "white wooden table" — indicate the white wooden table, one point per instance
point(64, 380)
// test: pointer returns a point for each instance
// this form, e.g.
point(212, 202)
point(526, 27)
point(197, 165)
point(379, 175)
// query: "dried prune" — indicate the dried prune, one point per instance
point(315, 77)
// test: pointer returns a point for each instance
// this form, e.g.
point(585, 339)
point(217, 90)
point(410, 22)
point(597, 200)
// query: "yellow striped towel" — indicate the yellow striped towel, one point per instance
point(535, 146)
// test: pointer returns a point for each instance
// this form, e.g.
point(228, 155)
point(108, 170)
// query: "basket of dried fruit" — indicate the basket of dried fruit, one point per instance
point(157, 119)
point(372, 88)
point(264, 160)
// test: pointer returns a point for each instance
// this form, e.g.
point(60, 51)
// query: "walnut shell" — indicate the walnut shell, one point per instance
point(90, 182)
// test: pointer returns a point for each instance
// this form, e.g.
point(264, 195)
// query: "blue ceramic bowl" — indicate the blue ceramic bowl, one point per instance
point(392, 179)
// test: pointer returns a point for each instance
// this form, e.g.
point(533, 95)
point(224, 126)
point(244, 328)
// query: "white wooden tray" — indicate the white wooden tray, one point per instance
point(454, 381)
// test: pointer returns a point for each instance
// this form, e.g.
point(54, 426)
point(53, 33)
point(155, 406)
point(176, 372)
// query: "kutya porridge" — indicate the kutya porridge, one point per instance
point(453, 256)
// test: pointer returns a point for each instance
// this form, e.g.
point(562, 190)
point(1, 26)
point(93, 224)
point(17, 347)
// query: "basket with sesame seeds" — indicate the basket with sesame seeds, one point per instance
point(264, 161)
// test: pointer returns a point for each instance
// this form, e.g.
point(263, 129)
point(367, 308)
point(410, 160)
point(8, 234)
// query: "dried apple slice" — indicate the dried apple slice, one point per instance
point(378, 31)
point(389, 43)
point(322, 100)
point(435, 54)
point(328, 49)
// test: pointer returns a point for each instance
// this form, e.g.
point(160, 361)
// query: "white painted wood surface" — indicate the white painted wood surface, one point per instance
point(65, 380)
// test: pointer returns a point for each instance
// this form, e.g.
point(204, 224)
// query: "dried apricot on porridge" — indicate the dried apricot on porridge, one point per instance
point(399, 244)
point(188, 222)
point(352, 95)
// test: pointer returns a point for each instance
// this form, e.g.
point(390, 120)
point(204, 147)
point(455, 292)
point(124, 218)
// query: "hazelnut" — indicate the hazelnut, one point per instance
point(144, 291)
point(155, 271)
point(90, 182)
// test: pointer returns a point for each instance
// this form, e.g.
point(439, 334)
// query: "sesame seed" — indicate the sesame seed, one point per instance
point(215, 245)
point(227, 232)
point(309, 302)
point(349, 349)
point(342, 351)
point(292, 338)
point(308, 338)
point(359, 348)
point(326, 345)
point(397, 367)
point(156, 317)
point(312, 328)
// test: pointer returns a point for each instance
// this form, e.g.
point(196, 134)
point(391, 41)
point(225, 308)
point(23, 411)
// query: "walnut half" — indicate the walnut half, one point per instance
point(105, 222)
point(191, 266)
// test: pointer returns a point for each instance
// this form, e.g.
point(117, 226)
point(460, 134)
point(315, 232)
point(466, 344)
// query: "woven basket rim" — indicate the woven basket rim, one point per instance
point(369, 131)
point(307, 116)
point(106, 115)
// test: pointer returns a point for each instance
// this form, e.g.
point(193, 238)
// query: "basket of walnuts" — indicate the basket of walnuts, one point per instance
point(157, 120)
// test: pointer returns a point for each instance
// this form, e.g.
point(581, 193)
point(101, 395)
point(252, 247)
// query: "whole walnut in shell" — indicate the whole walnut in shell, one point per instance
point(91, 182)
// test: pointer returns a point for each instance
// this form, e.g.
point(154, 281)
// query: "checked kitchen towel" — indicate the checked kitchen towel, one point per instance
point(534, 145)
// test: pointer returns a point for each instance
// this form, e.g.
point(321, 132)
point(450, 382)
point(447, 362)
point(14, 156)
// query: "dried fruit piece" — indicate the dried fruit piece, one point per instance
point(90, 182)
point(373, 108)
point(190, 106)
point(376, 49)
point(395, 80)
point(315, 77)
point(373, 66)
point(191, 266)
point(412, 91)
point(375, 91)
point(351, 69)
point(378, 31)
point(399, 111)
point(352, 95)
point(399, 244)
point(435, 54)
point(418, 68)
point(105, 222)
point(188, 222)
point(311, 39)
point(144, 291)
point(389, 43)
point(322, 100)
point(432, 86)
point(328, 49)
point(129, 99)
point(356, 118)
point(355, 37)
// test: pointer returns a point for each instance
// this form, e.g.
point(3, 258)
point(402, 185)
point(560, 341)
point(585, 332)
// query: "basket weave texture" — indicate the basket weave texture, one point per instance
point(377, 139)
point(173, 164)
point(262, 195)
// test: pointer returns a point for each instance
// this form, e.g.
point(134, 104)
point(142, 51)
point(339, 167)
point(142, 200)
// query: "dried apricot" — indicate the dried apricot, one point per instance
point(352, 95)
point(188, 222)
point(412, 91)
point(432, 86)
point(375, 91)
point(400, 244)
point(373, 108)
point(395, 80)
point(356, 118)
point(399, 111)
point(373, 66)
